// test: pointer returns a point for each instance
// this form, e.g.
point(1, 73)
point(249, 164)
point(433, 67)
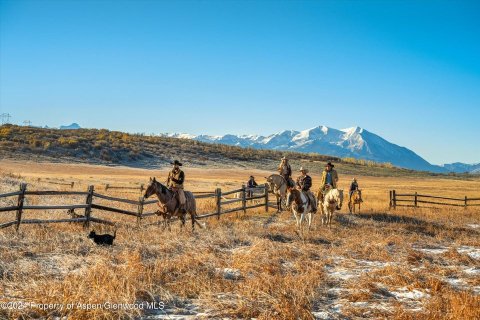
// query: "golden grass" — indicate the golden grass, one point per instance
point(279, 274)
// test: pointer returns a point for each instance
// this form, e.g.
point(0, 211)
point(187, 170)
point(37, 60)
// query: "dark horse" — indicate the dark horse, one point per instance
point(169, 203)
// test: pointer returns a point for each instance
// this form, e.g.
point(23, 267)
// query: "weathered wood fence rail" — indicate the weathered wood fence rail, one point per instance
point(416, 200)
point(139, 188)
point(71, 184)
point(243, 195)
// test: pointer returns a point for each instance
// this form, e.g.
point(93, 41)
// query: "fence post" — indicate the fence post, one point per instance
point(21, 197)
point(465, 205)
point(390, 200)
point(73, 182)
point(140, 210)
point(88, 209)
point(266, 197)
point(415, 201)
point(106, 187)
point(141, 188)
point(218, 192)
point(244, 199)
point(394, 198)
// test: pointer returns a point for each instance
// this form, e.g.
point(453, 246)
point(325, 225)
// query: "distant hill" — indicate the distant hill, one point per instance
point(71, 126)
point(462, 167)
point(136, 150)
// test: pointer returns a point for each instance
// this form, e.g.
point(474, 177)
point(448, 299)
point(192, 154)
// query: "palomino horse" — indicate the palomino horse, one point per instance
point(332, 201)
point(278, 185)
point(356, 198)
point(168, 202)
point(300, 206)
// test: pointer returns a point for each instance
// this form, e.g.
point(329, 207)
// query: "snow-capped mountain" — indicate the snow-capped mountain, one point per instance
point(462, 167)
point(351, 142)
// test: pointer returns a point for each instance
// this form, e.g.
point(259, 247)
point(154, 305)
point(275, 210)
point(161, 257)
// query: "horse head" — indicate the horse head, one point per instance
point(293, 196)
point(340, 199)
point(271, 183)
point(154, 187)
point(151, 188)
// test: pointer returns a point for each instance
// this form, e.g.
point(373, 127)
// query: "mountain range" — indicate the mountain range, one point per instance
point(352, 142)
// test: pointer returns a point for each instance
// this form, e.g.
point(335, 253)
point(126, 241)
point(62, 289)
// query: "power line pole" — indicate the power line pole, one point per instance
point(27, 123)
point(5, 117)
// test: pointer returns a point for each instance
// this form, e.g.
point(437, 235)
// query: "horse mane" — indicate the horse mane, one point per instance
point(333, 193)
point(163, 189)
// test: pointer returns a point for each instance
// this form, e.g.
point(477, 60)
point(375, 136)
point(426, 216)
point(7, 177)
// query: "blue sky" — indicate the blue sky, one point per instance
point(408, 71)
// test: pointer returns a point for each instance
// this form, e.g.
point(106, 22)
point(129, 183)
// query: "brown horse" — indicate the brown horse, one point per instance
point(355, 198)
point(168, 202)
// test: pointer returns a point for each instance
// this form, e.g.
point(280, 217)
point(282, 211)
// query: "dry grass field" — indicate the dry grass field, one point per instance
point(379, 264)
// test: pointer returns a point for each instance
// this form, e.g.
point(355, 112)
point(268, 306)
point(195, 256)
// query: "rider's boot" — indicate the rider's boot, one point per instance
point(314, 204)
point(182, 209)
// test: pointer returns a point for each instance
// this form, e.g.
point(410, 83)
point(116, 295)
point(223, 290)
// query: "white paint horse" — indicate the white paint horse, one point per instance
point(301, 207)
point(278, 185)
point(332, 201)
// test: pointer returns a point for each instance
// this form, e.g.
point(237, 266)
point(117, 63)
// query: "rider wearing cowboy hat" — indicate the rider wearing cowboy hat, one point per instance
point(329, 180)
point(304, 183)
point(250, 185)
point(285, 171)
point(353, 188)
point(175, 181)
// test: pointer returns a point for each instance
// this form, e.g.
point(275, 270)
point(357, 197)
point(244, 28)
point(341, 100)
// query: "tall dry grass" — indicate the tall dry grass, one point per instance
point(279, 274)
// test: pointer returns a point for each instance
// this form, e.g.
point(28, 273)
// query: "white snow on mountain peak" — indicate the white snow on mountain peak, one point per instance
point(354, 142)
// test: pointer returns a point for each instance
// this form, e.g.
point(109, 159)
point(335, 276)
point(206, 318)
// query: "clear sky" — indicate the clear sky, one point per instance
point(408, 71)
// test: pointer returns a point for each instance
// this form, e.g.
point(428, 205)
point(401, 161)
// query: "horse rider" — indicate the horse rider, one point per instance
point(251, 184)
point(175, 181)
point(304, 183)
point(353, 188)
point(329, 180)
point(285, 171)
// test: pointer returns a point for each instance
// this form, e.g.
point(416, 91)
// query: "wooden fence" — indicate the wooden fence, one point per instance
point(139, 188)
point(221, 200)
point(70, 184)
point(416, 200)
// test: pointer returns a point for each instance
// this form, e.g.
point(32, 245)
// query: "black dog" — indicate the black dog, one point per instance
point(102, 239)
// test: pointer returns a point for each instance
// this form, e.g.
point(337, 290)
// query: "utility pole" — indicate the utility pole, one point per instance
point(5, 118)
point(27, 123)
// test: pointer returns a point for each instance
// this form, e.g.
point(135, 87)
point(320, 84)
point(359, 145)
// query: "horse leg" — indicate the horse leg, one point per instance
point(296, 218)
point(192, 216)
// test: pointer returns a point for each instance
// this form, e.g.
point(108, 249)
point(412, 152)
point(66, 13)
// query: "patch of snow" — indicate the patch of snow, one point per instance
point(404, 293)
point(473, 252)
point(323, 315)
point(437, 250)
point(229, 273)
point(472, 271)
point(473, 226)
point(454, 282)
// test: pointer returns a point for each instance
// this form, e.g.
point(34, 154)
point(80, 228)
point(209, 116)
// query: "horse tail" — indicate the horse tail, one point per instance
point(192, 208)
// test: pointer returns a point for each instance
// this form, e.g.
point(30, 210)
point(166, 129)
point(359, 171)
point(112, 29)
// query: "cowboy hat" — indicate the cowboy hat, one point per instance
point(176, 162)
point(284, 158)
point(303, 169)
point(251, 177)
point(330, 164)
